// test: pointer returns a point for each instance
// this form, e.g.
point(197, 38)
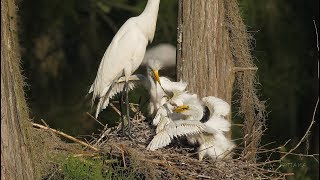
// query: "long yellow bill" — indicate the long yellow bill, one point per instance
point(180, 109)
point(156, 75)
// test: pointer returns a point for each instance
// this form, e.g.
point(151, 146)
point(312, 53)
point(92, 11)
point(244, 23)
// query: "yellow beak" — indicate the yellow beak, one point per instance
point(156, 75)
point(180, 109)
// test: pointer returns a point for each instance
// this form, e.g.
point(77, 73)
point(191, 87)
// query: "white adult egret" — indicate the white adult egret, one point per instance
point(125, 54)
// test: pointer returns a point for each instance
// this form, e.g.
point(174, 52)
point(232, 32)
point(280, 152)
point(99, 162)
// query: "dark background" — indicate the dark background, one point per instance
point(63, 42)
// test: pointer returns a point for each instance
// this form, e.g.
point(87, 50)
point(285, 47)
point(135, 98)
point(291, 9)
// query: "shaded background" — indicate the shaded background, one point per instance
point(63, 42)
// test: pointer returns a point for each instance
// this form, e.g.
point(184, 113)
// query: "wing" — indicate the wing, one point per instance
point(216, 106)
point(164, 121)
point(162, 112)
point(134, 81)
point(218, 123)
point(177, 129)
point(119, 56)
point(162, 139)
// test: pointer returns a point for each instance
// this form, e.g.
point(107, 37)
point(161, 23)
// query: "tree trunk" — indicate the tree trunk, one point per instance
point(15, 162)
point(204, 59)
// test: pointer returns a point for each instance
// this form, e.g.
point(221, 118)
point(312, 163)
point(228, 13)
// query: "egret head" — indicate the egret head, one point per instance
point(154, 66)
point(189, 106)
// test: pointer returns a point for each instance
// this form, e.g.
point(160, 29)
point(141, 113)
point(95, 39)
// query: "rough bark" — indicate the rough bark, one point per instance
point(15, 162)
point(204, 58)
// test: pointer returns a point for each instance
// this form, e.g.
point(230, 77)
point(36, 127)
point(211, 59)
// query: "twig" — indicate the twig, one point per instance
point(306, 134)
point(115, 109)
point(122, 154)
point(95, 119)
point(317, 35)
point(237, 69)
point(315, 27)
point(44, 123)
point(65, 135)
point(104, 134)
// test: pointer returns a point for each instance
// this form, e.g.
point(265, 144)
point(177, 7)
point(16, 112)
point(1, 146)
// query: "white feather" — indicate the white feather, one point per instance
point(177, 129)
point(216, 147)
point(134, 81)
point(218, 123)
point(216, 105)
point(125, 52)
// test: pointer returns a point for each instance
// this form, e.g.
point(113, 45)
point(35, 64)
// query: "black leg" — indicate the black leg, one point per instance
point(127, 108)
point(121, 110)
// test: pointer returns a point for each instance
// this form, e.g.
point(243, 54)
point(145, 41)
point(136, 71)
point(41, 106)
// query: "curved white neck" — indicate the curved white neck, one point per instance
point(148, 18)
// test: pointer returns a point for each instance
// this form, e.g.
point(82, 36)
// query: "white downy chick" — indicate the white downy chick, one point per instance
point(216, 146)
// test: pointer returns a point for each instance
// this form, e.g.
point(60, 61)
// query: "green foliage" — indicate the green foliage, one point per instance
point(76, 168)
point(94, 169)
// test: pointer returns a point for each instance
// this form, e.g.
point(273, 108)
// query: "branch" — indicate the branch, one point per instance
point(239, 69)
point(65, 135)
point(306, 134)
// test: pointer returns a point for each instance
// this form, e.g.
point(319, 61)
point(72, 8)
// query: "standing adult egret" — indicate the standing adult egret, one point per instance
point(124, 55)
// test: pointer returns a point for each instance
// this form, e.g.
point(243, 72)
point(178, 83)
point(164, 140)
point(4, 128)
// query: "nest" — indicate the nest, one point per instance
point(176, 161)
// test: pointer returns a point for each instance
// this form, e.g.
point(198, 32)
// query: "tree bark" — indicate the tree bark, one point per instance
point(15, 162)
point(204, 58)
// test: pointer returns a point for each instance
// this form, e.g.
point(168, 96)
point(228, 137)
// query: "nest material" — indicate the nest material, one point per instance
point(176, 161)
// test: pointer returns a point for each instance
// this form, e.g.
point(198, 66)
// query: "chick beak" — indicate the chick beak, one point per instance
point(156, 75)
point(180, 109)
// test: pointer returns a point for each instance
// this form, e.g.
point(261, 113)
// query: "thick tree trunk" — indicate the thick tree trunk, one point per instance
point(15, 162)
point(204, 58)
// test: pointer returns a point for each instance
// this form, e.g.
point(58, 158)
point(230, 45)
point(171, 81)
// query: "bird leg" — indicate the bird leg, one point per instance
point(127, 107)
point(121, 110)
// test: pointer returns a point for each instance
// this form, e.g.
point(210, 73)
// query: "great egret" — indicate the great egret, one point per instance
point(124, 55)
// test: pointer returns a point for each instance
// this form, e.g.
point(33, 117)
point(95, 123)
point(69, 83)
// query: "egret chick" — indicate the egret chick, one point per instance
point(218, 110)
point(210, 135)
point(161, 87)
point(189, 106)
point(124, 55)
point(215, 146)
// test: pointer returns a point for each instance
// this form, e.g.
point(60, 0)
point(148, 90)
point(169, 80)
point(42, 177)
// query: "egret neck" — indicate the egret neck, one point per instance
point(148, 19)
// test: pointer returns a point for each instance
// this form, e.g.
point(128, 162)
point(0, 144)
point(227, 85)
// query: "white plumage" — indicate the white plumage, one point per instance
point(177, 129)
point(216, 106)
point(158, 93)
point(133, 82)
point(215, 146)
point(165, 53)
point(125, 52)
point(209, 135)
